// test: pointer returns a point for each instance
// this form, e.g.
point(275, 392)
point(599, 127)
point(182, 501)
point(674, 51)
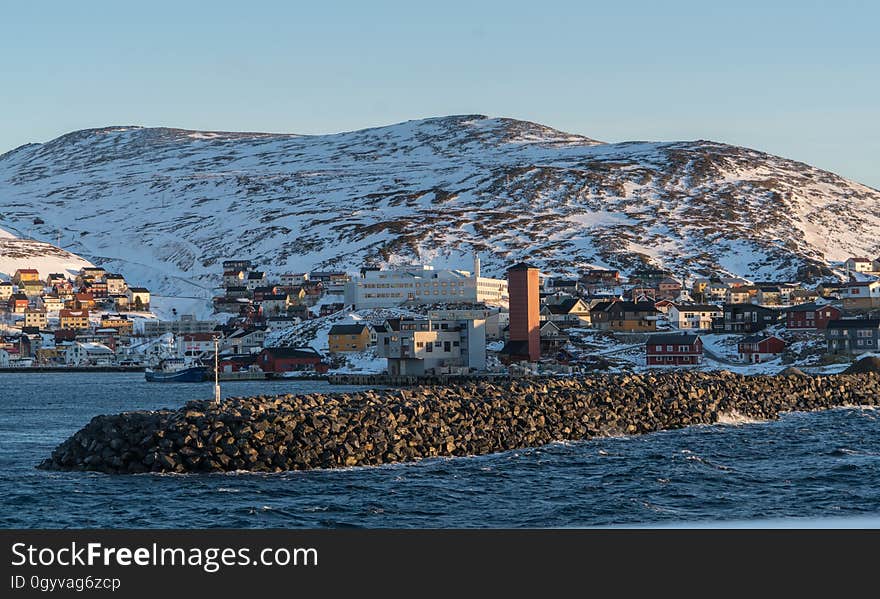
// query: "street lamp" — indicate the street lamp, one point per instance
point(216, 372)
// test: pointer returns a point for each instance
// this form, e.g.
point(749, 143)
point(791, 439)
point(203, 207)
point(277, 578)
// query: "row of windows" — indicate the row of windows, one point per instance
point(411, 285)
point(421, 344)
point(669, 348)
point(682, 359)
point(859, 332)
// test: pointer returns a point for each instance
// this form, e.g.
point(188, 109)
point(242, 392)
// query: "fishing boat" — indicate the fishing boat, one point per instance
point(177, 370)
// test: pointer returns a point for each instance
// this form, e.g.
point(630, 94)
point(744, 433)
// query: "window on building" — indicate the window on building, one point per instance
point(669, 348)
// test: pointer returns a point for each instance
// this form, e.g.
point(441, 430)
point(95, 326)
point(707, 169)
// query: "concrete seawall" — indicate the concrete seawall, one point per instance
point(298, 432)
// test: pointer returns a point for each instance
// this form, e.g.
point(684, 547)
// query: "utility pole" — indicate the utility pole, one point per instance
point(216, 372)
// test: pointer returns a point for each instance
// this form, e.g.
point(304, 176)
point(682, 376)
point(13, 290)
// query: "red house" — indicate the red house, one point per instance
point(289, 359)
point(18, 303)
point(810, 316)
point(674, 349)
point(760, 348)
point(237, 362)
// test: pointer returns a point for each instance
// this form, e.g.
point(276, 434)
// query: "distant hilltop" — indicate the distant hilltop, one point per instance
point(171, 204)
point(44, 257)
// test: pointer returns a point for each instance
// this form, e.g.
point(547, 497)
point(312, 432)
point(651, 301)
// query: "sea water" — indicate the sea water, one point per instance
point(802, 468)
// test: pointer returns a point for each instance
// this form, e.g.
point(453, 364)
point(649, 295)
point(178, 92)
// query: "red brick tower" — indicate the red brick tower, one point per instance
point(525, 319)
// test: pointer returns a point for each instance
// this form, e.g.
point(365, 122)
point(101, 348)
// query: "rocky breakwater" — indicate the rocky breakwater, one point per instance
point(297, 432)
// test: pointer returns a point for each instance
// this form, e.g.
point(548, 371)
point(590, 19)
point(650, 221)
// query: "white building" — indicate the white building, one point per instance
point(255, 279)
point(52, 303)
point(859, 265)
point(244, 342)
point(185, 325)
point(194, 344)
point(491, 315)
point(88, 354)
point(115, 284)
point(423, 346)
point(422, 284)
point(693, 316)
point(860, 295)
point(294, 279)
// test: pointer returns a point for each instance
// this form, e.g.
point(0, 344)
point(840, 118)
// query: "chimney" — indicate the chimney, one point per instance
point(476, 265)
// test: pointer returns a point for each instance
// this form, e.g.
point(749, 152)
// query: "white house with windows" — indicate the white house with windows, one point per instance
point(89, 354)
point(421, 284)
point(693, 316)
point(423, 346)
point(296, 279)
point(859, 265)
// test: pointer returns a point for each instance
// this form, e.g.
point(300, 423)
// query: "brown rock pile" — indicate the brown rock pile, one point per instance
point(297, 432)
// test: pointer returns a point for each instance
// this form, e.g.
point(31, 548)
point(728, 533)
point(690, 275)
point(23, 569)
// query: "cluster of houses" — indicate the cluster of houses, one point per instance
point(651, 304)
point(63, 319)
point(464, 318)
point(248, 290)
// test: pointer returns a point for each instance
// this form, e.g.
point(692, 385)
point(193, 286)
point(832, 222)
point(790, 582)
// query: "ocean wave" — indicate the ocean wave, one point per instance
point(735, 418)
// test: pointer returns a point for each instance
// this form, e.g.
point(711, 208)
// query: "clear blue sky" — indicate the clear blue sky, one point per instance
point(798, 79)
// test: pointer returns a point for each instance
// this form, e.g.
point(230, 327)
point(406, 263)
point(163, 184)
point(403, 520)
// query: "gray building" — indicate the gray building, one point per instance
point(853, 335)
point(186, 324)
point(423, 346)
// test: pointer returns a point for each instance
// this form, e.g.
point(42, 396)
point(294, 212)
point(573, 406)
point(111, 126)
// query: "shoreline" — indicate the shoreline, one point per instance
point(380, 426)
point(44, 369)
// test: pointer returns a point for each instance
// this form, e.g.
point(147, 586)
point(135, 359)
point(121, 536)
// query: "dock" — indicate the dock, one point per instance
point(401, 380)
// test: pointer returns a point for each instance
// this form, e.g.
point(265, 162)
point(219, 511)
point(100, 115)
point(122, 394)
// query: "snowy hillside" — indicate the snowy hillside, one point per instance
point(26, 253)
point(166, 206)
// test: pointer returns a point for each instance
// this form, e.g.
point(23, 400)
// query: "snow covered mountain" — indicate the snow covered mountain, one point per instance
point(166, 206)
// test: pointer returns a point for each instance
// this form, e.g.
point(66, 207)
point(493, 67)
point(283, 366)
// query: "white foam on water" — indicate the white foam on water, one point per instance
point(856, 522)
point(735, 418)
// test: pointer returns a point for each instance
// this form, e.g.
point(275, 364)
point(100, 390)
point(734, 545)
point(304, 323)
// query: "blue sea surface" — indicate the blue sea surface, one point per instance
point(801, 468)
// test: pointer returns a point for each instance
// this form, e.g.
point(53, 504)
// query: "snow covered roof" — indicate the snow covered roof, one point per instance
point(94, 348)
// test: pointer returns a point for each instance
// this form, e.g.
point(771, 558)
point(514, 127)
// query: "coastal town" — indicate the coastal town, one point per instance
point(417, 321)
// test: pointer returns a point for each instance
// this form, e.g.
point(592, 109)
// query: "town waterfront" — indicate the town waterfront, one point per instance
point(817, 465)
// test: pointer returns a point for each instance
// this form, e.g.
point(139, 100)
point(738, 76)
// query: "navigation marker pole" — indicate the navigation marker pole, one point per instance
point(216, 373)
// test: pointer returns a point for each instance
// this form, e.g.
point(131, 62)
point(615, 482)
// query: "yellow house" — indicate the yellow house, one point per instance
point(118, 322)
point(25, 274)
point(349, 338)
point(74, 319)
